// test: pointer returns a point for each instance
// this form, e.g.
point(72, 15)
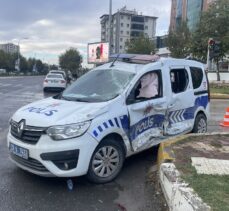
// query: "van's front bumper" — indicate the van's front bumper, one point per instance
point(66, 158)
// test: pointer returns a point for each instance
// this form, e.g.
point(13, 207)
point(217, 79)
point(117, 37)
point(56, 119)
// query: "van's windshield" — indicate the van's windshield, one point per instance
point(98, 86)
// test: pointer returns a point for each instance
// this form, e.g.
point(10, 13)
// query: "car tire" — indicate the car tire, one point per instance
point(106, 162)
point(200, 125)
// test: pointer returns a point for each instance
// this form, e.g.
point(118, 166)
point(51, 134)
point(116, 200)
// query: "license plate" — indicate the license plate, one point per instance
point(19, 151)
point(53, 81)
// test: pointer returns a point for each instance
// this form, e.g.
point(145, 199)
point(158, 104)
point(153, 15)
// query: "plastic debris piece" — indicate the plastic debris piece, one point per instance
point(70, 184)
point(121, 207)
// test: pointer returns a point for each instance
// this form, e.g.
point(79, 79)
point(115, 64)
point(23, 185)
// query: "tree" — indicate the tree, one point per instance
point(140, 45)
point(213, 24)
point(23, 64)
point(70, 60)
point(53, 67)
point(178, 41)
point(3, 60)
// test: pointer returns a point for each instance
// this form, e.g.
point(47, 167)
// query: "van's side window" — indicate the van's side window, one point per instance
point(179, 80)
point(197, 76)
point(148, 87)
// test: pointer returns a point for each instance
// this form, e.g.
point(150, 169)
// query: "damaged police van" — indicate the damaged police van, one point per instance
point(114, 111)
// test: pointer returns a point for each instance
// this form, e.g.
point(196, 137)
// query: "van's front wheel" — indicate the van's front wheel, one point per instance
point(106, 162)
point(200, 125)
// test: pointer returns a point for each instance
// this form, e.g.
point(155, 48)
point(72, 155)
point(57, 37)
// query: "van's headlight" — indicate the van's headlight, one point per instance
point(68, 131)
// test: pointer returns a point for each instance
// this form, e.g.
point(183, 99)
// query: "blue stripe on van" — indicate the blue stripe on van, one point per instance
point(116, 121)
point(100, 129)
point(111, 123)
point(95, 133)
point(105, 125)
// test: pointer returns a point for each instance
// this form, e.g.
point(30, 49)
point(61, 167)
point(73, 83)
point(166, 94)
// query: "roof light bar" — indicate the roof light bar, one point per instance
point(136, 58)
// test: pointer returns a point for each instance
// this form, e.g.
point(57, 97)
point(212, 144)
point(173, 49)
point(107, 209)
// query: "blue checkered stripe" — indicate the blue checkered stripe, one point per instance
point(177, 116)
point(115, 122)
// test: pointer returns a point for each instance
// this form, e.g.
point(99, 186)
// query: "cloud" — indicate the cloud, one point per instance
point(54, 26)
point(44, 23)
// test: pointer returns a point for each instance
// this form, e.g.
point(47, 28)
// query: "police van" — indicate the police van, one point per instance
point(112, 112)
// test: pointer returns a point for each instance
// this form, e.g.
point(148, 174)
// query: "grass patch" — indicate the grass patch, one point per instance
point(213, 189)
point(219, 90)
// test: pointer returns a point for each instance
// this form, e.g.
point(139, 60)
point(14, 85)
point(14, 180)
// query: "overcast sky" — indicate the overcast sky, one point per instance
point(52, 26)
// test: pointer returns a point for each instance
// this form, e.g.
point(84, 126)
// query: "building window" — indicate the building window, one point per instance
point(121, 16)
point(146, 27)
point(128, 25)
point(137, 19)
point(146, 19)
point(127, 32)
point(121, 24)
point(120, 46)
point(121, 32)
point(121, 39)
point(137, 26)
point(128, 17)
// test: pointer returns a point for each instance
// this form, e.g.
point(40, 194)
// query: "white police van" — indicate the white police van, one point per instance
point(110, 113)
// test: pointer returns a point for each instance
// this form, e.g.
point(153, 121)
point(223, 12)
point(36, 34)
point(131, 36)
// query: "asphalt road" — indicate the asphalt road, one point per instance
point(20, 190)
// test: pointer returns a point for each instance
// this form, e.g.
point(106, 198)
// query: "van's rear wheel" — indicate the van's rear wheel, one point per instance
point(200, 125)
point(106, 162)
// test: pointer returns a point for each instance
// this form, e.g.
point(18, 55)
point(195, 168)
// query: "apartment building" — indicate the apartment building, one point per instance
point(126, 24)
point(9, 48)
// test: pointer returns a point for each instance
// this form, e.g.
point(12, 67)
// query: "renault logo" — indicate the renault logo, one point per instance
point(21, 127)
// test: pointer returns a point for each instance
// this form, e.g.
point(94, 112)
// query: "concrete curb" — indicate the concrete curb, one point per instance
point(178, 195)
point(219, 96)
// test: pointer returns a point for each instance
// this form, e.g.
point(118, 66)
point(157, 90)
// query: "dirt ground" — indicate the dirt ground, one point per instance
point(216, 147)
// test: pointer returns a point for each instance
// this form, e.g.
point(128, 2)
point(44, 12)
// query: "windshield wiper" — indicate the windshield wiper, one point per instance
point(81, 100)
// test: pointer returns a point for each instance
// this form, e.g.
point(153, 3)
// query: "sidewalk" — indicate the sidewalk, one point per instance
point(190, 171)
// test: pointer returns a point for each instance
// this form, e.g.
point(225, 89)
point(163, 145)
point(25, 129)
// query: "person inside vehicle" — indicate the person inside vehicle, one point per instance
point(149, 86)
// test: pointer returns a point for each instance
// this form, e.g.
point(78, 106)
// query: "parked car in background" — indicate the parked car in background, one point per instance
point(2, 71)
point(55, 82)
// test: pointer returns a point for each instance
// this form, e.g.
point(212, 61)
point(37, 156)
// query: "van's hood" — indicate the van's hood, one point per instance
point(48, 112)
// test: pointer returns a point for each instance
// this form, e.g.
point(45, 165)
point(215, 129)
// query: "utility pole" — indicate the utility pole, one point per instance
point(110, 17)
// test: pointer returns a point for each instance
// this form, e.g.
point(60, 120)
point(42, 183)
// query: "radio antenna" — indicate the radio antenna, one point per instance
point(112, 64)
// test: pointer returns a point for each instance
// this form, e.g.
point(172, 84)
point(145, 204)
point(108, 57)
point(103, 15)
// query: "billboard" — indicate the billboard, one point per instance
point(98, 52)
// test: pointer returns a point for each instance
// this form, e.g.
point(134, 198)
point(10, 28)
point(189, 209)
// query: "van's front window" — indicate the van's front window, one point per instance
point(98, 85)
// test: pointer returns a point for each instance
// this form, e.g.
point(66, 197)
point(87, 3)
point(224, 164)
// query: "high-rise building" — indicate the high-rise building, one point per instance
point(9, 48)
point(178, 13)
point(126, 24)
point(194, 9)
point(187, 10)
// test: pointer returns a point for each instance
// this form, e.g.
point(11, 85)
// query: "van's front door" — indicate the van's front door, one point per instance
point(146, 106)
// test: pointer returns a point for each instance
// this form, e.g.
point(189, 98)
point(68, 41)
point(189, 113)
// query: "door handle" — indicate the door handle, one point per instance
point(159, 108)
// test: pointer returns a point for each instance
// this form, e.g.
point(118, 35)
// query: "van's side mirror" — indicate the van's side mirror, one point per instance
point(130, 99)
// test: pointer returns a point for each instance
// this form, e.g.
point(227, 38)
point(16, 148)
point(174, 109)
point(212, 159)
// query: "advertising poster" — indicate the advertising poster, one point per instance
point(98, 52)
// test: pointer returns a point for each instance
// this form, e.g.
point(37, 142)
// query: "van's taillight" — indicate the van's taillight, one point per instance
point(46, 81)
point(63, 81)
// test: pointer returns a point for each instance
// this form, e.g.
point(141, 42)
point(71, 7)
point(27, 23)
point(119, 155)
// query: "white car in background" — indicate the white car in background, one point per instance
point(54, 82)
